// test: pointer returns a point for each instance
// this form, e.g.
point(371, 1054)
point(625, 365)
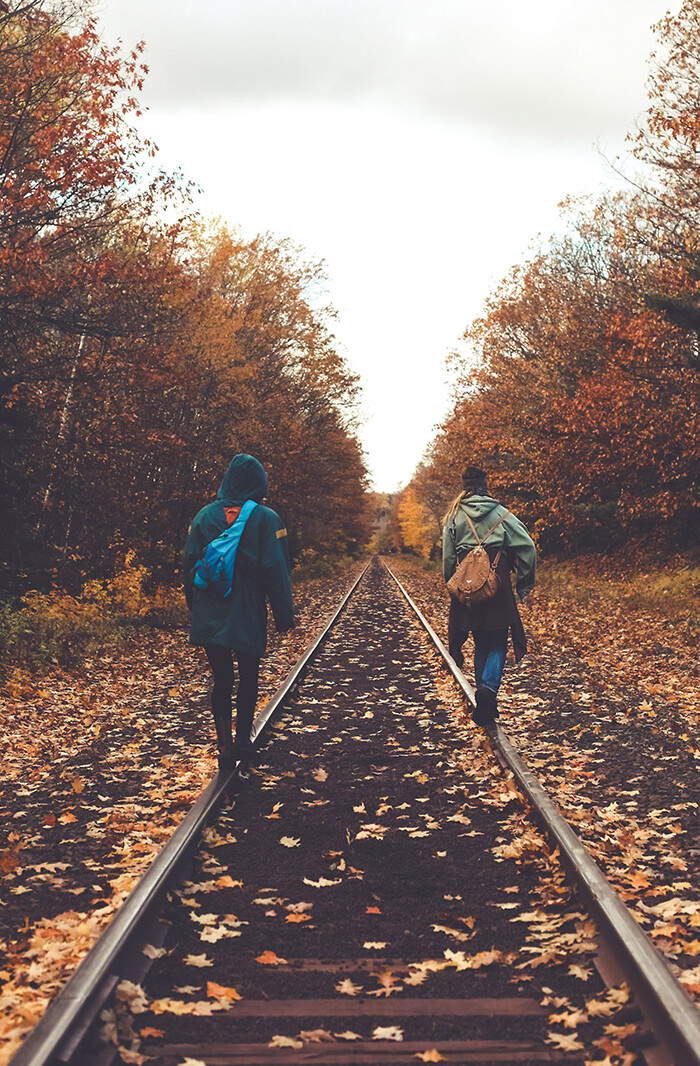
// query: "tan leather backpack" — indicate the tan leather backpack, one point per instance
point(475, 580)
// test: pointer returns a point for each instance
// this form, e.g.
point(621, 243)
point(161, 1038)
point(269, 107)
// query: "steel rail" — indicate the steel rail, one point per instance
point(672, 1013)
point(59, 1032)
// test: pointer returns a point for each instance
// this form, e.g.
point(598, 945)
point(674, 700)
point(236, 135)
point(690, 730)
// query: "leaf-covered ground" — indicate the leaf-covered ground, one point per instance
point(605, 709)
point(382, 863)
point(98, 767)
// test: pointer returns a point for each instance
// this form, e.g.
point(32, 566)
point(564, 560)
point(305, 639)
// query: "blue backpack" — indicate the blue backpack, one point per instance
point(214, 570)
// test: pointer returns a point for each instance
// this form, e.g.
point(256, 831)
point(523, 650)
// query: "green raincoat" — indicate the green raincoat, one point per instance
point(262, 570)
point(518, 553)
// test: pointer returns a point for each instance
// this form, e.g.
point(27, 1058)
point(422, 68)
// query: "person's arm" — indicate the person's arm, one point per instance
point(520, 544)
point(276, 572)
point(190, 556)
point(449, 551)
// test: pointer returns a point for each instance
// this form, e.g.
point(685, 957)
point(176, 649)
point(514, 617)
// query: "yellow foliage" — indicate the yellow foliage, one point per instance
point(419, 529)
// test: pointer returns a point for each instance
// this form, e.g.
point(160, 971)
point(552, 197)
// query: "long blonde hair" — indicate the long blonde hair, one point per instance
point(454, 506)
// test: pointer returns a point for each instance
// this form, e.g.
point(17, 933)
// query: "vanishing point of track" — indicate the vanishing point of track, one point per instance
point(463, 1028)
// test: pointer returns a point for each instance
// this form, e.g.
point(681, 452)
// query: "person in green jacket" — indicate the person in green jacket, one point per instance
point(237, 624)
point(490, 621)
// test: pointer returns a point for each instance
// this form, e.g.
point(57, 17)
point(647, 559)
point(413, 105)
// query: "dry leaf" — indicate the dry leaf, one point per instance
point(197, 960)
point(285, 1041)
point(348, 988)
point(221, 991)
point(268, 958)
point(387, 1032)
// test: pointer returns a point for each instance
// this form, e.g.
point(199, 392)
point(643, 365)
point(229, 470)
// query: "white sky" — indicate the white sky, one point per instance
point(417, 146)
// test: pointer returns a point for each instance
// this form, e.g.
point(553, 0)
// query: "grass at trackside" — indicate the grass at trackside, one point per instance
point(668, 586)
point(43, 630)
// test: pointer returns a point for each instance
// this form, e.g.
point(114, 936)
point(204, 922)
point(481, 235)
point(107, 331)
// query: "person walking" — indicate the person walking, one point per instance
point(474, 518)
point(232, 620)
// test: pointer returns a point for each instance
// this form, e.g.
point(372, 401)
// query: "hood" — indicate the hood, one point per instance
point(478, 506)
point(245, 479)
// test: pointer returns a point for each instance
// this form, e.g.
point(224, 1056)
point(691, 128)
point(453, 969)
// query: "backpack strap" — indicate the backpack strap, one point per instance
point(493, 528)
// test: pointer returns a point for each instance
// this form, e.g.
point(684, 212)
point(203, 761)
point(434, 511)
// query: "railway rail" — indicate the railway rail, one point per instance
point(371, 738)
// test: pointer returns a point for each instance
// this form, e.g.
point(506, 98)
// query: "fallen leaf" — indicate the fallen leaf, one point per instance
point(565, 1042)
point(315, 1036)
point(268, 958)
point(433, 1055)
point(374, 944)
point(197, 960)
point(285, 1041)
point(387, 1032)
point(221, 991)
point(290, 842)
point(348, 988)
point(152, 952)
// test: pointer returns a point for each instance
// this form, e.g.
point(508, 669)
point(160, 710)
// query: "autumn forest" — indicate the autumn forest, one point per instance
point(581, 387)
point(143, 344)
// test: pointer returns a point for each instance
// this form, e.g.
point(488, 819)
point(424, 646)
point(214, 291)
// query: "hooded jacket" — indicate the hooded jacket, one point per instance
point(518, 553)
point(262, 570)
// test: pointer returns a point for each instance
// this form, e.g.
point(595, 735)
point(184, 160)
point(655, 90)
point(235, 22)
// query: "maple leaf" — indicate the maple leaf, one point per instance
point(347, 987)
point(569, 1019)
point(133, 995)
point(216, 991)
point(298, 918)
point(197, 960)
point(268, 958)
point(131, 1055)
point(322, 882)
point(226, 881)
point(564, 1042)
point(373, 910)
point(285, 1041)
point(152, 952)
point(432, 1055)
point(150, 1031)
point(374, 944)
point(211, 935)
point(387, 1032)
point(171, 1006)
point(320, 774)
point(582, 972)
point(315, 1036)
point(290, 842)
point(347, 1035)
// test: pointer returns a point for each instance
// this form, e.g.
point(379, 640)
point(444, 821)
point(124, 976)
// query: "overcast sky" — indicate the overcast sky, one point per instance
point(419, 148)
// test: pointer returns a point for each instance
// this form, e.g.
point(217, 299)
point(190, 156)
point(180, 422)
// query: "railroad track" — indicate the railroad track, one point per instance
point(375, 895)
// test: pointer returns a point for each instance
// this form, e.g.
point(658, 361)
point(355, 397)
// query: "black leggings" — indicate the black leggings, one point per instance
point(221, 663)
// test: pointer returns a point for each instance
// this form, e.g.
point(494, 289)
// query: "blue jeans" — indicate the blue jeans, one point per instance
point(490, 648)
